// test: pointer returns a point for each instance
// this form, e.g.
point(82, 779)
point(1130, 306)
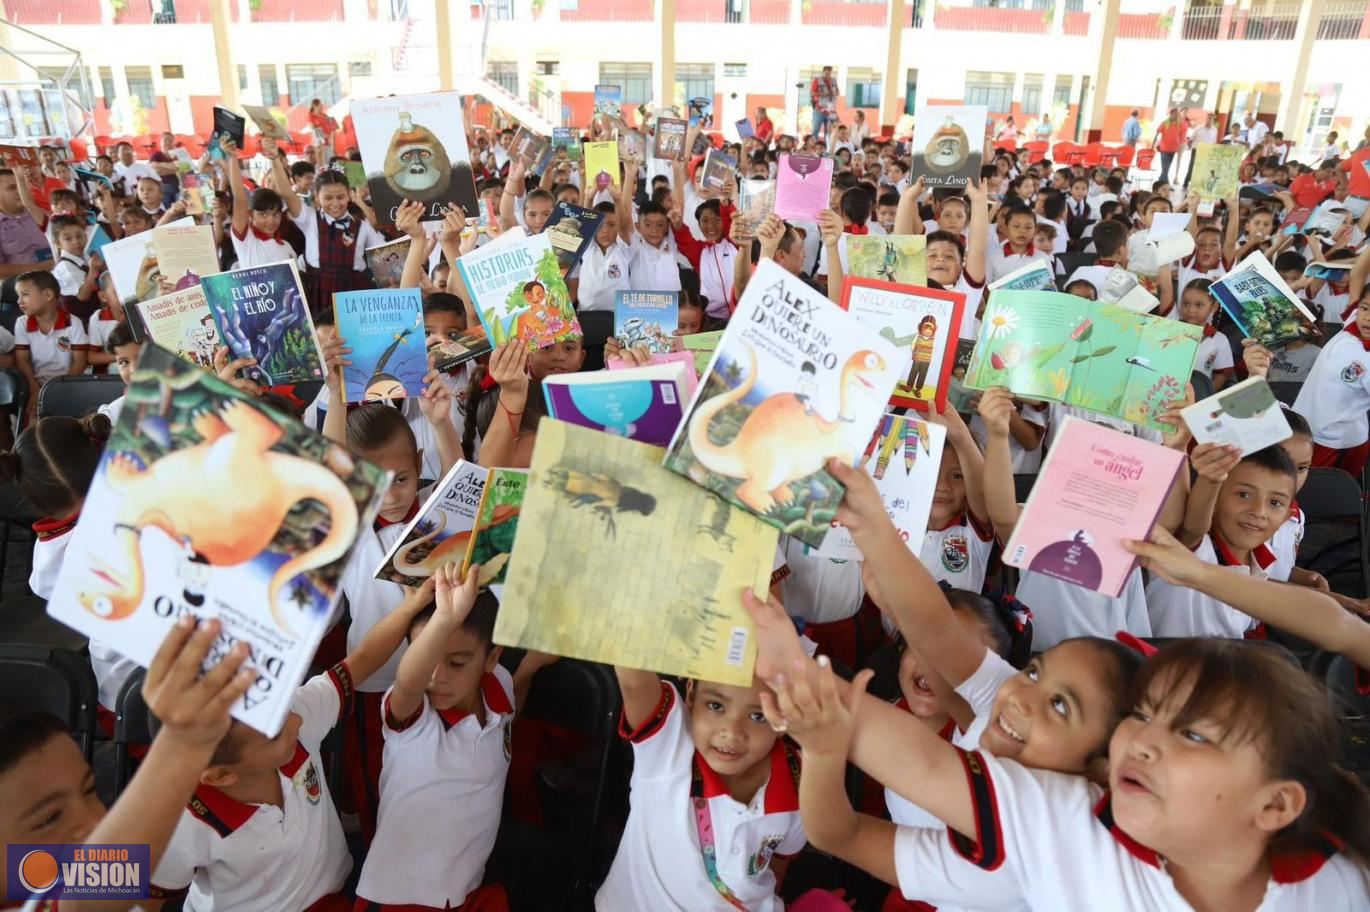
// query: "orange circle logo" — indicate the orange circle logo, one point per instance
point(38, 871)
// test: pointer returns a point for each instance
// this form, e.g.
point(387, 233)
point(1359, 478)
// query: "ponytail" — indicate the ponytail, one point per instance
point(482, 398)
point(54, 461)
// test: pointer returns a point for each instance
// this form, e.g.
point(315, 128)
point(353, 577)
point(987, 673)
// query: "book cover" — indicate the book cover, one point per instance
point(1036, 275)
point(745, 130)
point(268, 123)
point(669, 142)
point(632, 144)
point(900, 258)
point(226, 124)
point(1245, 415)
point(689, 378)
point(1262, 305)
point(1217, 169)
point(99, 240)
point(210, 504)
point(608, 101)
point(597, 505)
point(193, 194)
point(384, 329)
point(640, 403)
point(803, 184)
point(386, 261)
point(702, 144)
point(133, 267)
point(948, 144)
point(572, 230)
point(925, 323)
point(795, 381)
point(518, 292)
point(903, 457)
point(647, 319)
point(601, 164)
point(355, 172)
point(718, 167)
point(1101, 358)
point(261, 313)
point(756, 202)
point(20, 156)
point(1123, 289)
point(565, 139)
point(1332, 272)
point(965, 348)
point(441, 532)
point(414, 148)
point(497, 521)
point(185, 253)
point(179, 322)
point(451, 353)
point(702, 346)
point(529, 145)
point(701, 111)
point(1097, 487)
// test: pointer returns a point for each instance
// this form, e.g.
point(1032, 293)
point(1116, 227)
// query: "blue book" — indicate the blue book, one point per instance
point(261, 313)
point(384, 329)
point(1262, 305)
point(642, 403)
point(609, 100)
point(647, 319)
point(572, 229)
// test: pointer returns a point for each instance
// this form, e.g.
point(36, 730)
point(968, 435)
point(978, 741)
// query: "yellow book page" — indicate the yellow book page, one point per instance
point(619, 560)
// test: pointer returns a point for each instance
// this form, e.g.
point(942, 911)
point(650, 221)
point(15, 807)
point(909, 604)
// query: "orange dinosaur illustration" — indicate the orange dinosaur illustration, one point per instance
point(185, 495)
point(784, 439)
point(449, 551)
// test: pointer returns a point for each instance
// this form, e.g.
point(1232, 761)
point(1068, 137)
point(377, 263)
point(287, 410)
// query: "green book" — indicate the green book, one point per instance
point(702, 345)
point(1101, 358)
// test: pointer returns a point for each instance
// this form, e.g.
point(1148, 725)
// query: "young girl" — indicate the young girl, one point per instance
point(1196, 308)
point(256, 234)
point(335, 240)
point(507, 421)
point(1336, 395)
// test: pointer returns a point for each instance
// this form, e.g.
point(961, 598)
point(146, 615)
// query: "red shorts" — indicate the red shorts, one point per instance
point(850, 640)
point(489, 898)
point(1350, 460)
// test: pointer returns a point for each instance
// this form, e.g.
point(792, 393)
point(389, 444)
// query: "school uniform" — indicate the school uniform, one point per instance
point(652, 268)
point(1024, 462)
point(602, 273)
point(50, 351)
point(98, 327)
point(688, 845)
point(442, 791)
point(228, 855)
point(1000, 260)
point(1062, 610)
point(959, 552)
point(70, 272)
point(1048, 840)
point(1178, 611)
point(334, 255)
point(1284, 544)
point(1215, 353)
point(975, 293)
point(829, 597)
point(1335, 398)
point(1189, 271)
point(714, 264)
point(254, 248)
point(111, 410)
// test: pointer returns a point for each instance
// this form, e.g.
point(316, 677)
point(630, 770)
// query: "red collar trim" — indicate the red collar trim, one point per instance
point(857, 229)
point(381, 522)
point(220, 811)
point(782, 791)
point(1008, 250)
point(63, 321)
point(1263, 556)
point(107, 315)
point(960, 519)
point(1351, 328)
point(1293, 867)
point(491, 691)
point(1109, 263)
point(49, 527)
point(291, 767)
point(1103, 812)
point(1210, 331)
point(262, 235)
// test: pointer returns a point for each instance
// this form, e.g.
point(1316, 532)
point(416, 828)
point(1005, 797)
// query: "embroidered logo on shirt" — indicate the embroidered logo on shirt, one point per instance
point(613, 271)
point(1352, 372)
point(312, 791)
point(758, 862)
point(64, 343)
point(955, 553)
point(508, 741)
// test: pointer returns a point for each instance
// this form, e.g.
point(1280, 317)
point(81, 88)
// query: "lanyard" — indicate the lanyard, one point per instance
point(704, 824)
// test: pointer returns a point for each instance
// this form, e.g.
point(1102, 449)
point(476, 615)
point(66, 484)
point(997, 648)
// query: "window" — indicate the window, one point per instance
point(358, 68)
point(693, 80)
point(993, 90)
point(107, 86)
point(504, 73)
point(271, 89)
point(547, 68)
point(911, 91)
point(863, 87)
point(307, 81)
point(734, 71)
point(242, 77)
point(501, 9)
point(570, 4)
point(634, 78)
point(1032, 94)
point(1060, 96)
point(176, 72)
point(140, 86)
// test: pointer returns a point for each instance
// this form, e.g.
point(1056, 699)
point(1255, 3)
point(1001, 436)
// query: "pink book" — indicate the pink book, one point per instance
point(1096, 488)
point(685, 357)
point(801, 187)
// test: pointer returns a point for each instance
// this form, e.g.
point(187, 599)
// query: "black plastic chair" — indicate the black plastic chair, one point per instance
point(596, 326)
point(53, 680)
point(132, 727)
point(14, 509)
point(1069, 262)
point(76, 397)
point(1331, 497)
point(1342, 685)
point(1022, 486)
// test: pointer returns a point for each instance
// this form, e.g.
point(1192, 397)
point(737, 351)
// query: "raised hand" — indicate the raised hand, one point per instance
point(193, 707)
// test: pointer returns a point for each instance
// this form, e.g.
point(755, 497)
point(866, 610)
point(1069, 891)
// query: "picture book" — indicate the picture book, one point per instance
point(414, 148)
point(441, 531)
point(745, 130)
point(904, 456)
point(756, 201)
point(19, 156)
point(261, 313)
point(1323, 220)
point(1123, 289)
point(632, 144)
point(608, 101)
point(1337, 271)
point(924, 323)
point(572, 230)
point(133, 267)
point(1101, 358)
point(210, 504)
point(384, 329)
point(451, 353)
point(226, 124)
point(355, 173)
point(518, 292)
point(1097, 488)
point(601, 165)
point(1217, 169)
point(565, 139)
point(701, 111)
point(1262, 305)
point(647, 319)
point(599, 504)
point(795, 381)
point(268, 124)
point(690, 377)
point(497, 520)
point(528, 145)
point(386, 261)
point(718, 168)
point(948, 144)
point(180, 323)
point(640, 403)
point(900, 258)
point(965, 348)
point(702, 345)
point(1035, 275)
point(185, 253)
point(193, 194)
point(1244, 415)
point(802, 186)
point(701, 145)
point(99, 240)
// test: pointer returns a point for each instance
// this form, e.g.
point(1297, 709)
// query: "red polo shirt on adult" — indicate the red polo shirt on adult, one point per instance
point(1172, 135)
point(1307, 192)
point(1357, 175)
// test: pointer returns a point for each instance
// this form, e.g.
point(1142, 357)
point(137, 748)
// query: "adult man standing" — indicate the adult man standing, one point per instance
point(128, 170)
point(764, 128)
point(823, 97)
point(1170, 137)
point(1132, 129)
point(1255, 131)
point(1208, 133)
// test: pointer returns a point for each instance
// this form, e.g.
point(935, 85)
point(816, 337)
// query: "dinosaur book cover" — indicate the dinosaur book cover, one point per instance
point(903, 456)
point(571, 229)
point(179, 322)
point(640, 403)
point(497, 519)
point(384, 329)
point(1097, 488)
point(519, 293)
point(647, 319)
point(901, 258)
point(795, 381)
point(1245, 415)
point(261, 313)
point(597, 504)
point(924, 322)
point(208, 503)
point(1098, 357)
point(1259, 301)
point(441, 531)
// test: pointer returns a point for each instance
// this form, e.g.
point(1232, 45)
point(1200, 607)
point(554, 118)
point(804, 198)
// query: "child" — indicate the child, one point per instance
point(885, 208)
point(604, 267)
point(653, 267)
point(532, 211)
point(957, 544)
point(1336, 395)
point(1044, 238)
point(713, 258)
point(101, 324)
point(256, 229)
point(75, 274)
point(335, 240)
point(150, 197)
point(1197, 308)
point(124, 349)
point(1017, 249)
point(48, 341)
point(691, 316)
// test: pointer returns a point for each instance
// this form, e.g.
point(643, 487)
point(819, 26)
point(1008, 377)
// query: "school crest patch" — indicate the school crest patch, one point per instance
point(64, 343)
point(613, 271)
point(312, 790)
point(1352, 372)
point(758, 862)
point(955, 553)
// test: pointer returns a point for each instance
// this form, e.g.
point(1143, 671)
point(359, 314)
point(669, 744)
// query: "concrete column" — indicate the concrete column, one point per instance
point(9, 67)
point(221, 20)
point(443, 28)
point(665, 75)
point(894, 71)
point(1310, 14)
point(1058, 26)
point(1108, 32)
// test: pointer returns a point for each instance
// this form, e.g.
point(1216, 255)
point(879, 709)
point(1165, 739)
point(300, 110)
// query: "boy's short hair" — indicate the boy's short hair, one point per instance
point(1273, 459)
point(444, 302)
point(888, 198)
point(479, 622)
point(1114, 184)
point(300, 169)
point(23, 732)
point(856, 205)
point(1047, 229)
point(1012, 212)
point(264, 199)
point(605, 206)
point(41, 279)
point(948, 238)
point(1054, 207)
point(59, 222)
point(1110, 236)
point(651, 207)
point(844, 180)
point(119, 336)
point(1289, 261)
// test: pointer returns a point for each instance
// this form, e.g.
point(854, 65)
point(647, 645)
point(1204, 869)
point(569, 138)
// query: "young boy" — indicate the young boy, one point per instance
point(1336, 395)
point(1235, 507)
point(604, 268)
point(959, 538)
point(77, 277)
point(48, 341)
point(653, 267)
point(125, 350)
point(101, 324)
point(257, 220)
point(886, 206)
point(1017, 250)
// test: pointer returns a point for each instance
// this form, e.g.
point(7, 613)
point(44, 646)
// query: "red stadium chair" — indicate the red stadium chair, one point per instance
point(1037, 150)
point(1144, 159)
point(79, 150)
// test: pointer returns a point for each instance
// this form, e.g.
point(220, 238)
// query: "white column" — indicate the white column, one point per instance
point(665, 76)
point(1108, 32)
point(221, 20)
point(443, 23)
point(1310, 13)
point(894, 71)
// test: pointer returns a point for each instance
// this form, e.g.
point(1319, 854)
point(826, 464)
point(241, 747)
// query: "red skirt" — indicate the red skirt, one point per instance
point(1350, 460)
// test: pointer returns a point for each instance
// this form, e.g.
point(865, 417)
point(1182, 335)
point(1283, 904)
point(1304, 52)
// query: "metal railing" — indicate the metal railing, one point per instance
point(72, 86)
point(1266, 22)
point(1345, 21)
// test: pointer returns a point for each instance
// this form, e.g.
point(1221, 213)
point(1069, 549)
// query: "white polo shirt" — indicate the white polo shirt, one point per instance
point(1189, 271)
point(1061, 610)
point(958, 552)
point(442, 789)
point(975, 293)
point(1000, 260)
point(818, 589)
point(50, 351)
point(70, 273)
point(1048, 840)
point(257, 249)
point(1215, 353)
point(652, 268)
point(1178, 611)
point(603, 272)
point(659, 865)
point(1284, 544)
point(1335, 396)
point(309, 227)
point(369, 599)
point(251, 857)
point(1024, 462)
point(98, 327)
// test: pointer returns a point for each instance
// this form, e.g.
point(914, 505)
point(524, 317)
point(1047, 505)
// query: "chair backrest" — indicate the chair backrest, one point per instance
point(580, 696)
point(1022, 486)
point(596, 326)
point(1069, 262)
point(14, 390)
point(1348, 687)
point(132, 721)
point(54, 680)
point(77, 396)
point(1330, 495)
point(1203, 385)
point(1286, 391)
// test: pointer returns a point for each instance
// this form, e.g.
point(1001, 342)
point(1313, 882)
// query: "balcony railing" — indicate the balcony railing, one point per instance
point(1146, 25)
point(607, 11)
point(1270, 22)
point(46, 12)
point(297, 11)
point(845, 12)
point(709, 11)
point(1345, 21)
point(996, 19)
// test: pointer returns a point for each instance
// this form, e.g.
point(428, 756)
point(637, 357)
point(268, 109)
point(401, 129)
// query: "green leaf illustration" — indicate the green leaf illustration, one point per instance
point(1106, 350)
